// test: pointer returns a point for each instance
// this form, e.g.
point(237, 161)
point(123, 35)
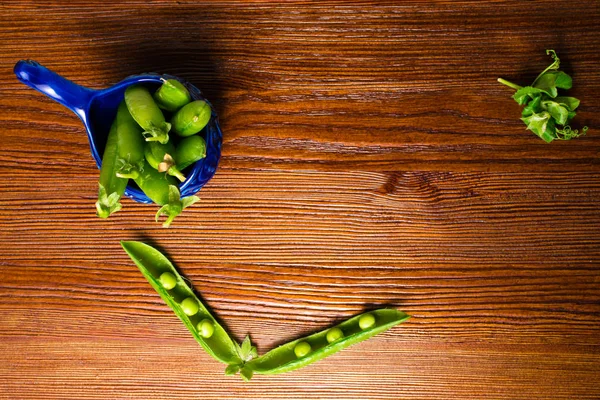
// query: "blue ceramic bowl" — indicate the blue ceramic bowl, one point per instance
point(97, 109)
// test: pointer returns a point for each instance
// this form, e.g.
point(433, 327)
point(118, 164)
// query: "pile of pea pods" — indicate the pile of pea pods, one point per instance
point(244, 358)
point(144, 147)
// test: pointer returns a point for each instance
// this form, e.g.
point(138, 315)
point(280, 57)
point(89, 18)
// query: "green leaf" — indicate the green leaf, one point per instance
point(550, 81)
point(246, 351)
point(188, 201)
point(246, 345)
point(232, 369)
point(175, 205)
point(174, 194)
point(550, 133)
point(534, 106)
point(523, 95)
point(570, 102)
point(253, 353)
point(107, 205)
point(547, 84)
point(563, 81)
point(537, 122)
point(246, 373)
point(558, 112)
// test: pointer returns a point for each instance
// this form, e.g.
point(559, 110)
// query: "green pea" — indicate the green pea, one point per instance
point(110, 187)
point(167, 280)
point(366, 321)
point(191, 118)
point(206, 328)
point(172, 95)
point(130, 144)
point(190, 306)
point(160, 157)
point(302, 349)
point(189, 150)
point(146, 113)
point(334, 334)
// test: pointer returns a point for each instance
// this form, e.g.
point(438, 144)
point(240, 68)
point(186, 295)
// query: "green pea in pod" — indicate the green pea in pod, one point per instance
point(130, 144)
point(191, 118)
point(161, 189)
point(146, 113)
point(189, 150)
point(111, 187)
point(160, 157)
point(172, 95)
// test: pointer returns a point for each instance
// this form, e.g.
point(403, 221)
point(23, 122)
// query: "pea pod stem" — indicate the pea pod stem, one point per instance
point(159, 156)
point(162, 190)
point(175, 205)
point(168, 165)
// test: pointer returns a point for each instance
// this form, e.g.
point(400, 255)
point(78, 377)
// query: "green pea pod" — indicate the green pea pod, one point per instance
point(189, 150)
point(146, 113)
point(111, 187)
point(172, 95)
point(191, 118)
point(284, 358)
point(153, 264)
point(130, 144)
point(160, 157)
point(161, 189)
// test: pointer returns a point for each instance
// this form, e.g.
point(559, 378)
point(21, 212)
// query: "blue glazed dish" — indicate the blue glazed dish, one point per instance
point(97, 109)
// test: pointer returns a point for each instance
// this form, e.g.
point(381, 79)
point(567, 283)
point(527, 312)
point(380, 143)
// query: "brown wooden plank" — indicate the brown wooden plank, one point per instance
point(370, 159)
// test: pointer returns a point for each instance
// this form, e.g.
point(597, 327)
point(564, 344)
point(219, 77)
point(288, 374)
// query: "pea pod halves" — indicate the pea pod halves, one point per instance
point(152, 264)
point(283, 358)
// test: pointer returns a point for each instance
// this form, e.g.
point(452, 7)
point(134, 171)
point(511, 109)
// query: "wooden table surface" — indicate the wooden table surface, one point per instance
point(370, 159)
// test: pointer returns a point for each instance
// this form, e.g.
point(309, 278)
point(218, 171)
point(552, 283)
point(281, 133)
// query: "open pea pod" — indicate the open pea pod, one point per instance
point(284, 358)
point(153, 264)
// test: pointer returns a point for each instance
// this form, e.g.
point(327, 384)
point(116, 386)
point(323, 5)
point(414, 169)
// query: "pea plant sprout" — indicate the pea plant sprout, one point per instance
point(546, 113)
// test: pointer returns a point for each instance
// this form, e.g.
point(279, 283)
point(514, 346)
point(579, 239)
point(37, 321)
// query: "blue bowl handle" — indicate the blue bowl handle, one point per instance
point(67, 93)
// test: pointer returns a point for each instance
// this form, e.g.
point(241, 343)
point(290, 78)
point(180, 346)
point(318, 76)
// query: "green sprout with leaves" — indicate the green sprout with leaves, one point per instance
point(546, 113)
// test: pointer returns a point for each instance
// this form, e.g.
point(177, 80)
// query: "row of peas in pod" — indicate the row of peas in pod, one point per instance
point(152, 140)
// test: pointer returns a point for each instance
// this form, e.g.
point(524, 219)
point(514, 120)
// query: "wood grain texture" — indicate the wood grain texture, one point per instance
point(370, 159)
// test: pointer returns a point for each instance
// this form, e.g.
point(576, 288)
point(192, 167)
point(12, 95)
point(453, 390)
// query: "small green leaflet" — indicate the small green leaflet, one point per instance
point(525, 94)
point(175, 205)
point(550, 82)
point(557, 111)
point(569, 102)
point(537, 123)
